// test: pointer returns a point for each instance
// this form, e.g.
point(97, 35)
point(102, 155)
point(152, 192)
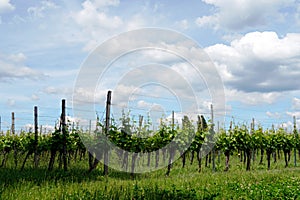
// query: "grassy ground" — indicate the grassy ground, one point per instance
point(187, 183)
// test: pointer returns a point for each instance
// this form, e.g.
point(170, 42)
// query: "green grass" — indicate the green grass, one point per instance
point(187, 183)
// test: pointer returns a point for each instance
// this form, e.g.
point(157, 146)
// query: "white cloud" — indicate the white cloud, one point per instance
point(29, 127)
point(224, 72)
point(13, 67)
point(289, 125)
point(296, 103)
point(273, 114)
point(211, 21)
point(35, 97)
point(39, 11)
point(103, 3)
point(123, 94)
point(182, 24)
point(157, 56)
point(258, 60)
point(45, 128)
point(11, 102)
point(236, 14)
point(177, 118)
point(252, 98)
point(85, 95)
point(51, 90)
point(95, 23)
point(292, 114)
point(173, 77)
point(90, 45)
point(156, 111)
point(91, 18)
point(6, 6)
point(233, 36)
point(146, 105)
point(135, 22)
point(20, 57)
point(58, 90)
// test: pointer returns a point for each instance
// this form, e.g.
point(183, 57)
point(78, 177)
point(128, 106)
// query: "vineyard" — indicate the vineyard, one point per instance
point(249, 145)
point(72, 153)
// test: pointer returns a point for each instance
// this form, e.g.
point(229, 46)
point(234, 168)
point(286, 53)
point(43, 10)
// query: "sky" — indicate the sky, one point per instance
point(254, 46)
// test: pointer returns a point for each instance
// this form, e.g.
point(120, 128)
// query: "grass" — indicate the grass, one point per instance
point(186, 183)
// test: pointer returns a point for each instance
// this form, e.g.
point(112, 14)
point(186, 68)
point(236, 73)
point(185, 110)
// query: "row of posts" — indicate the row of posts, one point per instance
point(106, 158)
point(64, 132)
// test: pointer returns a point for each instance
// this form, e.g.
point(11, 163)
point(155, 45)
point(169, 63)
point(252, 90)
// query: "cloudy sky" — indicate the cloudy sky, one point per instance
point(253, 44)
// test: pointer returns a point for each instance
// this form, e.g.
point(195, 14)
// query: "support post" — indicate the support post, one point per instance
point(219, 153)
point(90, 126)
point(212, 132)
point(107, 120)
point(296, 136)
point(35, 136)
point(141, 118)
point(13, 123)
point(64, 132)
point(252, 132)
point(13, 133)
point(173, 120)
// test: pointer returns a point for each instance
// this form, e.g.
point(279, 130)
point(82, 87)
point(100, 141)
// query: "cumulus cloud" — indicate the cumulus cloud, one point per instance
point(211, 21)
point(136, 22)
point(10, 102)
point(46, 128)
point(35, 97)
point(273, 114)
point(19, 57)
point(161, 73)
point(6, 6)
point(292, 114)
point(150, 106)
point(259, 62)
point(296, 103)
point(57, 90)
point(91, 17)
point(290, 123)
point(13, 67)
point(252, 98)
point(39, 11)
point(103, 3)
point(236, 14)
point(182, 24)
point(83, 95)
point(96, 22)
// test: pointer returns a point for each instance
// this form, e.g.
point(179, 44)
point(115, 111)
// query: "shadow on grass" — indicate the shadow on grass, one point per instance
point(9, 176)
point(40, 175)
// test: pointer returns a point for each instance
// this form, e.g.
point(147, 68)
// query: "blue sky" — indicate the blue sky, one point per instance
point(254, 45)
